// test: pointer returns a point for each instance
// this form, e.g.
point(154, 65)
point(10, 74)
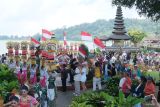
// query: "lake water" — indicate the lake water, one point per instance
point(3, 48)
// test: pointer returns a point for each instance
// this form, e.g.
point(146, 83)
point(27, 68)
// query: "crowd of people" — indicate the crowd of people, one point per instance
point(79, 70)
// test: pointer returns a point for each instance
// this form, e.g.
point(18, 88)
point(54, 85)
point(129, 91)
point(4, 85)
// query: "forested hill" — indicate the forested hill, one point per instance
point(99, 28)
point(103, 27)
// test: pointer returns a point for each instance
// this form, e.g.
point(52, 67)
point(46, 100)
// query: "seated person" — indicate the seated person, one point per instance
point(149, 87)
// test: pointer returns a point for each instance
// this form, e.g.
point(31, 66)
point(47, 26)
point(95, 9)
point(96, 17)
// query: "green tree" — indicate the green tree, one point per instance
point(149, 8)
point(136, 35)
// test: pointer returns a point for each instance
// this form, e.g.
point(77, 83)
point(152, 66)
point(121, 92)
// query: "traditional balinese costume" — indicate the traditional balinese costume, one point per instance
point(27, 101)
point(18, 73)
point(24, 73)
point(33, 77)
point(43, 77)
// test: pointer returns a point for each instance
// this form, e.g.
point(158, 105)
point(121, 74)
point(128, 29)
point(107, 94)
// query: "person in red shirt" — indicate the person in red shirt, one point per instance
point(126, 87)
point(149, 87)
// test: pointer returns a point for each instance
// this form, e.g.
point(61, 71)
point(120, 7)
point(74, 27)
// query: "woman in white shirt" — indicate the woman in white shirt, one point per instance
point(77, 78)
point(83, 75)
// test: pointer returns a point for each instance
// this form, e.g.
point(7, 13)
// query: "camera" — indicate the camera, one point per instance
point(148, 98)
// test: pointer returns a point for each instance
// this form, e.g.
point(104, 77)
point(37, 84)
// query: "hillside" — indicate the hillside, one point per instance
point(103, 27)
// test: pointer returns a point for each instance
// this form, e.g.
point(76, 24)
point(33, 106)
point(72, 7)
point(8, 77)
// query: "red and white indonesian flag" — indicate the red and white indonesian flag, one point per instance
point(36, 42)
point(99, 43)
point(86, 36)
point(46, 34)
point(43, 38)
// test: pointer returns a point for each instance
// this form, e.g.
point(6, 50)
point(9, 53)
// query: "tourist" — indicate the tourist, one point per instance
point(64, 76)
point(122, 80)
point(135, 60)
point(77, 78)
point(12, 65)
point(154, 101)
point(3, 58)
point(139, 90)
point(83, 75)
point(43, 76)
point(125, 67)
point(136, 73)
point(72, 67)
point(113, 70)
point(105, 69)
point(128, 57)
point(126, 87)
point(150, 86)
point(118, 65)
point(33, 75)
point(97, 77)
point(113, 59)
point(13, 101)
point(27, 100)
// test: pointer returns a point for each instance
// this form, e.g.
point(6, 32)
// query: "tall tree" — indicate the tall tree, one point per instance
point(136, 35)
point(149, 8)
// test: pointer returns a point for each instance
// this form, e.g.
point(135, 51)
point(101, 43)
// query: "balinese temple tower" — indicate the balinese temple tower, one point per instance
point(119, 33)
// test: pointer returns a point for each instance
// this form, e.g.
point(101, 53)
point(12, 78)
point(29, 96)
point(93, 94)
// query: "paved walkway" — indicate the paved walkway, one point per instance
point(64, 99)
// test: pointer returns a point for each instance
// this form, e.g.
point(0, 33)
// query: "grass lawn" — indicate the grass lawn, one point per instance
point(154, 74)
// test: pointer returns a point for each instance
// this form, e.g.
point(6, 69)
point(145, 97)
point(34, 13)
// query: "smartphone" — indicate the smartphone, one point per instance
point(148, 98)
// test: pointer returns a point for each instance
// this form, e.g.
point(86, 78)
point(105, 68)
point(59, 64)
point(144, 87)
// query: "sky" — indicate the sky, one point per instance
point(28, 17)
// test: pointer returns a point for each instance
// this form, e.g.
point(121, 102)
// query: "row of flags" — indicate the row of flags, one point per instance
point(85, 36)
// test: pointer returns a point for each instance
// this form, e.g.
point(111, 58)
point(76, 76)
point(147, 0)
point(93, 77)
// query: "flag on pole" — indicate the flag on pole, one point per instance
point(65, 41)
point(36, 42)
point(47, 34)
point(99, 43)
point(86, 36)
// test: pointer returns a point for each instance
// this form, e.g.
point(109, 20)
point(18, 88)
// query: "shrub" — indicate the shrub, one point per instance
point(112, 86)
point(102, 99)
point(8, 81)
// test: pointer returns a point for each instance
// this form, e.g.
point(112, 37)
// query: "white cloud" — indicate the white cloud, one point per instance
point(27, 17)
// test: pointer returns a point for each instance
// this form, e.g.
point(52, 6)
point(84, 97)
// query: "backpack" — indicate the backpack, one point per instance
point(97, 72)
